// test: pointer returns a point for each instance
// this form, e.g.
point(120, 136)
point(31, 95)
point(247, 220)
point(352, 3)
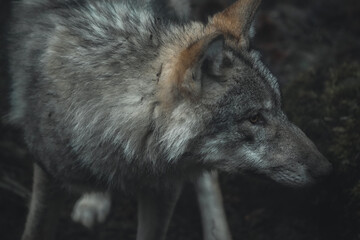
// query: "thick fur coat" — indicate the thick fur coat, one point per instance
point(108, 91)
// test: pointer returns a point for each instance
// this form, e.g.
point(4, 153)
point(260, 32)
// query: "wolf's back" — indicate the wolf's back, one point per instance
point(35, 22)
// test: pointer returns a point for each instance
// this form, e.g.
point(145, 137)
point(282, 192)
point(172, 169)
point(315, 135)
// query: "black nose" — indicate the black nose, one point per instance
point(327, 168)
point(321, 169)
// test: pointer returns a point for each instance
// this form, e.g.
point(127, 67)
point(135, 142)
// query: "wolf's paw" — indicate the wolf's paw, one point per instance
point(91, 208)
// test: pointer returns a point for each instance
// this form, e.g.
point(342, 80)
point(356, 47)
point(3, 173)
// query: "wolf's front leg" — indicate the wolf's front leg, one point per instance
point(213, 216)
point(155, 208)
point(46, 203)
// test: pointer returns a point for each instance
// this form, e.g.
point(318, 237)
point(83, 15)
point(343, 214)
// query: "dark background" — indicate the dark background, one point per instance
point(313, 48)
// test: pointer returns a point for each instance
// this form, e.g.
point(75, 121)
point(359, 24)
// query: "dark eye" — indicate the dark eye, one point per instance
point(254, 119)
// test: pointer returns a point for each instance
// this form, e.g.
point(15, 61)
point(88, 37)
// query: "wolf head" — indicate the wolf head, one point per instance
point(239, 104)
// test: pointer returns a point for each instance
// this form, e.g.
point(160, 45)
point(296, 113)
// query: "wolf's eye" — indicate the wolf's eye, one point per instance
point(254, 119)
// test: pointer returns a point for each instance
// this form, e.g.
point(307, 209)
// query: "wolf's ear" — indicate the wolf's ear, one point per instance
point(184, 76)
point(208, 61)
point(236, 20)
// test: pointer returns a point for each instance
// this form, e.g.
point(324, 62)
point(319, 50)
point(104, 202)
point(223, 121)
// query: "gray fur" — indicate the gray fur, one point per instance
point(106, 102)
point(93, 90)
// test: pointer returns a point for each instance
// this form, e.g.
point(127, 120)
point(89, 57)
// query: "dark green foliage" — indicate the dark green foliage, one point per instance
point(326, 104)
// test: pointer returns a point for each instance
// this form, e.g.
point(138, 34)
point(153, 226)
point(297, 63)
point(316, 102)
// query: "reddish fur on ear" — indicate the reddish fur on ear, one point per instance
point(235, 20)
point(177, 80)
point(187, 60)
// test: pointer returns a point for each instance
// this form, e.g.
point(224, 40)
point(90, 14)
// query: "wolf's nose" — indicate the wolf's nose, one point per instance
point(327, 168)
point(323, 168)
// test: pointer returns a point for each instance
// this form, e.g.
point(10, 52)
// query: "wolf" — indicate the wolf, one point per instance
point(112, 96)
